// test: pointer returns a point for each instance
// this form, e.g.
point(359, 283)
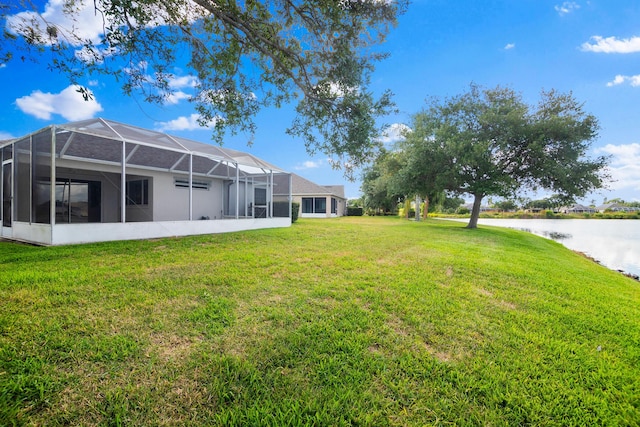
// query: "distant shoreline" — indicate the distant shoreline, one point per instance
point(551, 215)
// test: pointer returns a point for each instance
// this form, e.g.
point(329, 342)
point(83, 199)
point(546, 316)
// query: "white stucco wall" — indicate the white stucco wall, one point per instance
point(166, 201)
point(65, 234)
point(84, 233)
point(171, 203)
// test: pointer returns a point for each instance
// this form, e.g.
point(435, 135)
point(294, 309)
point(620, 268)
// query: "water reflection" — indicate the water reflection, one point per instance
point(555, 235)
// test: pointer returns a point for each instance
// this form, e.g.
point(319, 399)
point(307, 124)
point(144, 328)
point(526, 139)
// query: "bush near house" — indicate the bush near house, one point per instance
point(295, 211)
point(355, 211)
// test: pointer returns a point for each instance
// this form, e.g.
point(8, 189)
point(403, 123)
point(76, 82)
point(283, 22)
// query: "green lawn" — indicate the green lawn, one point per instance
point(352, 321)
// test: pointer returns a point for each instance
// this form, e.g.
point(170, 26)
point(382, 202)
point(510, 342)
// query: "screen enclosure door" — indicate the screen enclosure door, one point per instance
point(7, 191)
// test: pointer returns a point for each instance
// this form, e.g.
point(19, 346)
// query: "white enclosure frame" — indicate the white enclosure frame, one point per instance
point(88, 148)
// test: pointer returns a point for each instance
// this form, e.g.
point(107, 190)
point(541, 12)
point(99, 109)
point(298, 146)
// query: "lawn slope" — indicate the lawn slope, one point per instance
point(352, 321)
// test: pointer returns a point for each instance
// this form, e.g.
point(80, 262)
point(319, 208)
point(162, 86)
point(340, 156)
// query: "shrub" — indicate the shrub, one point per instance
point(295, 210)
point(355, 211)
point(464, 211)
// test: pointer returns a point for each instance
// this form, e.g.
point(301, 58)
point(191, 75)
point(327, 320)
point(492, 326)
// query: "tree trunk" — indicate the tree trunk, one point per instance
point(417, 208)
point(426, 208)
point(475, 211)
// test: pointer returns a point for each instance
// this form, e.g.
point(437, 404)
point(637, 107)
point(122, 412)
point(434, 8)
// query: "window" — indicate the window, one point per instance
point(314, 205)
point(138, 192)
point(320, 205)
point(184, 183)
point(334, 206)
point(307, 205)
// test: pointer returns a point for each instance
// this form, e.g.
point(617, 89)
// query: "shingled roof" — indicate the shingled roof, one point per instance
point(304, 187)
point(99, 138)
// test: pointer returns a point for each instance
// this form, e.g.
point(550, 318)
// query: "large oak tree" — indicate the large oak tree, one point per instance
point(490, 142)
point(245, 55)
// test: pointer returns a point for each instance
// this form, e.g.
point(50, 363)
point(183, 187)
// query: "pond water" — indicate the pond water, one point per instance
point(615, 243)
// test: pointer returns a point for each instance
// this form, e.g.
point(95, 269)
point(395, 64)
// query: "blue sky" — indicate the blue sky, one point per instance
point(591, 48)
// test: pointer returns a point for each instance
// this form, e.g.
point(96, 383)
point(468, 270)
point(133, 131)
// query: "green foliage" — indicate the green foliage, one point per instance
point(243, 56)
point(295, 211)
point(489, 142)
point(449, 203)
point(546, 203)
point(506, 205)
point(356, 202)
point(352, 321)
point(355, 211)
point(378, 184)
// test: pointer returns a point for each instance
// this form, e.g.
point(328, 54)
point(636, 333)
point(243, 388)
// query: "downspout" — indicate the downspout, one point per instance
point(270, 193)
point(253, 198)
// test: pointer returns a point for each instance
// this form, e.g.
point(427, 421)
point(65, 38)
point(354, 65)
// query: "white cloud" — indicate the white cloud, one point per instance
point(335, 89)
point(394, 133)
point(309, 164)
point(620, 79)
point(5, 136)
point(175, 97)
point(80, 22)
point(510, 46)
point(567, 7)
point(87, 26)
point(612, 45)
point(624, 166)
point(91, 55)
point(179, 82)
point(183, 123)
point(69, 104)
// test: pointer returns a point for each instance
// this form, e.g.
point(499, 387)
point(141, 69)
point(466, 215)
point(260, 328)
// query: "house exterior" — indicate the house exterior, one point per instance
point(318, 201)
point(576, 208)
point(99, 180)
point(469, 206)
point(616, 207)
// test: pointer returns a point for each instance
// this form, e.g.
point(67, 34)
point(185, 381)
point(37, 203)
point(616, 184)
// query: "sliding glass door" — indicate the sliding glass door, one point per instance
point(77, 201)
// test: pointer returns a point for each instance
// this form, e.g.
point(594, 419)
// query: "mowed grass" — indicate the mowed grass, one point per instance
point(351, 321)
